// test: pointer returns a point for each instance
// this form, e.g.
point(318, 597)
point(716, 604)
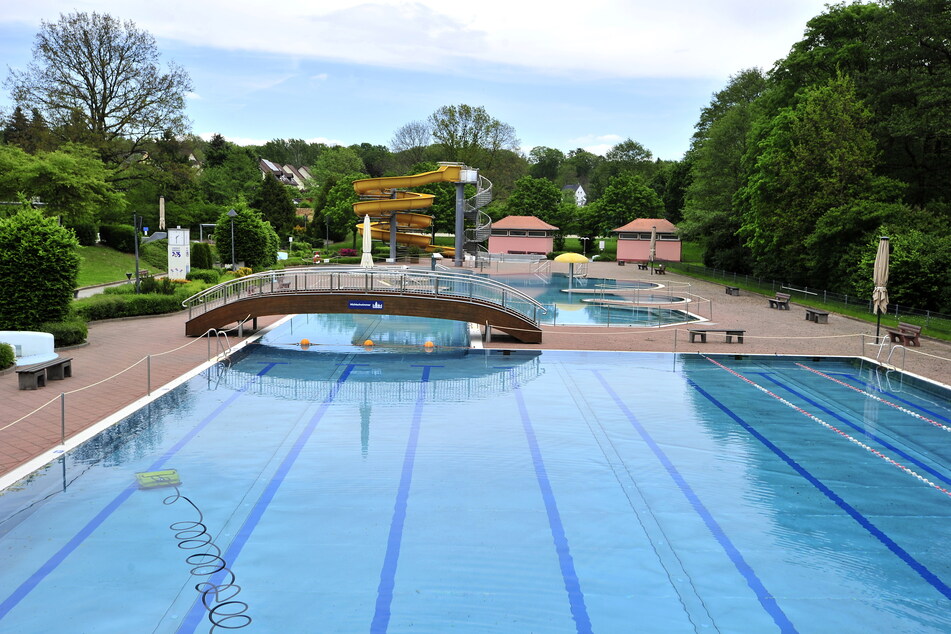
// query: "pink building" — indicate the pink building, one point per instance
point(521, 234)
point(634, 241)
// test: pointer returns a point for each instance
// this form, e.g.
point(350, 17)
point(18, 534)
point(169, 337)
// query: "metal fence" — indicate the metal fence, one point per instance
point(930, 319)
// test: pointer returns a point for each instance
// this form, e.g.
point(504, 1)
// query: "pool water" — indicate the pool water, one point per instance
point(399, 490)
point(577, 301)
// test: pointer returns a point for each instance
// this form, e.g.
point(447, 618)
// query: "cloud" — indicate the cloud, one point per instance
point(192, 95)
point(320, 77)
point(604, 39)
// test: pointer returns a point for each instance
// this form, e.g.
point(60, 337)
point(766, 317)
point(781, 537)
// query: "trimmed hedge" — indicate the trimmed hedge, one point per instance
point(85, 233)
point(7, 356)
point(111, 306)
point(201, 256)
point(119, 237)
point(211, 276)
point(70, 332)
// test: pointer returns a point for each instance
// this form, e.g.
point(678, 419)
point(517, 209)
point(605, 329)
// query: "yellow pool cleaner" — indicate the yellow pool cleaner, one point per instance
point(158, 479)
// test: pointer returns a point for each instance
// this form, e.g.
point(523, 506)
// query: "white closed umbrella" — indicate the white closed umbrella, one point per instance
point(880, 281)
point(366, 260)
point(653, 251)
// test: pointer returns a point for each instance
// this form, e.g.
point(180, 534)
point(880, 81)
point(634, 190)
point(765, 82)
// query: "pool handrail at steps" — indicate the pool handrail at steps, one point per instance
point(414, 292)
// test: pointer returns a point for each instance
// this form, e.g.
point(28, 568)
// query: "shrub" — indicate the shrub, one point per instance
point(243, 271)
point(85, 233)
point(350, 260)
point(7, 356)
point(70, 332)
point(162, 286)
point(348, 253)
point(119, 237)
point(38, 270)
point(210, 276)
point(105, 306)
point(155, 254)
point(202, 257)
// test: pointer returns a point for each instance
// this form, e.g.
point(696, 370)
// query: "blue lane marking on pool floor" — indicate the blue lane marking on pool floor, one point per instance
point(892, 395)
point(384, 597)
point(764, 596)
point(197, 611)
point(863, 521)
point(579, 612)
point(858, 428)
point(50, 565)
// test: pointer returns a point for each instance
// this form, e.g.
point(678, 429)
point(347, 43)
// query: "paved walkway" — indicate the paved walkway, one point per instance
point(126, 358)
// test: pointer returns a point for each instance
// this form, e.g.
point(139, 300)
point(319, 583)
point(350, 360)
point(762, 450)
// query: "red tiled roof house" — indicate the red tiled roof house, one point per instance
point(634, 241)
point(521, 234)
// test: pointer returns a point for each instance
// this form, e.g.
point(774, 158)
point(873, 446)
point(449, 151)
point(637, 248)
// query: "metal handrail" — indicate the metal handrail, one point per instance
point(445, 285)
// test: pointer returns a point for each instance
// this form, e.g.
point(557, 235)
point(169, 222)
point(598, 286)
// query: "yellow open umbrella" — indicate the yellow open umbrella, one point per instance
point(571, 258)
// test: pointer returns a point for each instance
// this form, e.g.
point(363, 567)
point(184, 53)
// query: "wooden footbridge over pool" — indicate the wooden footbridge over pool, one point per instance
point(379, 290)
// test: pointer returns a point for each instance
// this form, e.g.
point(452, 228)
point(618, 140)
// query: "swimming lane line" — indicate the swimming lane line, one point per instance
point(764, 596)
point(863, 521)
point(197, 611)
point(51, 564)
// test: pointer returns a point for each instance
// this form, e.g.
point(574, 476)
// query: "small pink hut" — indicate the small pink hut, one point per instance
point(634, 241)
point(522, 234)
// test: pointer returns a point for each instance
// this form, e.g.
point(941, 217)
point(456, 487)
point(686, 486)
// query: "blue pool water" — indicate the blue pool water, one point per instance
point(395, 490)
point(581, 305)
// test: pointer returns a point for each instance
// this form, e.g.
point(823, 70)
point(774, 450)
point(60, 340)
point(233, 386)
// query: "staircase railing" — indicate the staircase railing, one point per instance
point(482, 228)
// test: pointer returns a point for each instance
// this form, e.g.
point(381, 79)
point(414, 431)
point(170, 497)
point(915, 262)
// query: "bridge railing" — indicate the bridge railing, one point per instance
point(442, 284)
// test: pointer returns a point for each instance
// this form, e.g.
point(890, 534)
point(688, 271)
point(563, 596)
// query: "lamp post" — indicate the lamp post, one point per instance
point(232, 214)
point(136, 219)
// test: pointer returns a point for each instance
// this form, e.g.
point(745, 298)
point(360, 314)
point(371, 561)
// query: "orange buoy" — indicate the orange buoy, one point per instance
point(429, 344)
point(368, 342)
point(304, 344)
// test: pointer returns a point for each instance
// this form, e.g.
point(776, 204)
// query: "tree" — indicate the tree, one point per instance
point(411, 141)
point(626, 198)
point(98, 80)
point(545, 162)
point(376, 158)
point(717, 173)
point(534, 197)
point(274, 203)
point(469, 135)
point(216, 151)
point(72, 182)
point(255, 242)
point(627, 157)
point(336, 162)
point(337, 211)
point(38, 245)
point(814, 159)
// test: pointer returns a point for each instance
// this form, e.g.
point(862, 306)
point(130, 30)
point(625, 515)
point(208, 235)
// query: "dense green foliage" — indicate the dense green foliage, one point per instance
point(118, 237)
point(71, 331)
point(255, 242)
point(7, 355)
point(38, 270)
point(201, 256)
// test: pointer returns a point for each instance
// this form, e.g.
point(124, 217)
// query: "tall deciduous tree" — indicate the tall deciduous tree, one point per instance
point(98, 80)
point(545, 162)
point(470, 135)
point(813, 160)
point(534, 197)
point(626, 198)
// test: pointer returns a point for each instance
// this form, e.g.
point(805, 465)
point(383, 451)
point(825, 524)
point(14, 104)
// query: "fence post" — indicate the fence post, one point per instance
point(148, 374)
point(62, 418)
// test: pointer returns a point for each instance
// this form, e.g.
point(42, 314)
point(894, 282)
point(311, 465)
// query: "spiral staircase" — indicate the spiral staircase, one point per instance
point(481, 223)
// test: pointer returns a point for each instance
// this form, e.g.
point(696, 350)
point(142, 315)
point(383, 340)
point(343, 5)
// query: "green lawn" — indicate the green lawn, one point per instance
point(100, 265)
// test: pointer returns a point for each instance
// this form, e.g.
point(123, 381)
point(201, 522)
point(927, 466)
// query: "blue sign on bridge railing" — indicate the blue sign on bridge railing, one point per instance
point(361, 304)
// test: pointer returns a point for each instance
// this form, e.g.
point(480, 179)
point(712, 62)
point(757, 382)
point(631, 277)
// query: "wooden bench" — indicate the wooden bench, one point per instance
point(661, 270)
point(780, 302)
point(642, 266)
point(733, 290)
point(702, 333)
point(34, 376)
point(905, 334)
point(816, 315)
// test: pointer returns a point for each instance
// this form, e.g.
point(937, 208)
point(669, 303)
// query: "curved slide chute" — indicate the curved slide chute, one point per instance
point(385, 202)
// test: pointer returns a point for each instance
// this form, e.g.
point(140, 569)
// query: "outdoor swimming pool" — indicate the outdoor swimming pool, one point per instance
point(592, 301)
point(391, 489)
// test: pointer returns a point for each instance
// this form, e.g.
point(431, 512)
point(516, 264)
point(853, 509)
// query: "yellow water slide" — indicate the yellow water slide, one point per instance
point(386, 202)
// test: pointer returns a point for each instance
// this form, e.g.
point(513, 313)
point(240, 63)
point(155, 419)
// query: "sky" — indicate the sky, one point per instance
point(564, 75)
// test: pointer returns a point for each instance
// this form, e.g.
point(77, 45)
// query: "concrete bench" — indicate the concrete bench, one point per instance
point(733, 290)
point(905, 334)
point(780, 302)
point(35, 376)
point(661, 270)
point(816, 315)
point(642, 266)
point(702, 333)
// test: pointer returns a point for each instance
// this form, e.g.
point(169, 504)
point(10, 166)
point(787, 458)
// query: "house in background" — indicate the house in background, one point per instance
point(634, 241)
point(581, 197)
point(522, 234)
point(286, 174)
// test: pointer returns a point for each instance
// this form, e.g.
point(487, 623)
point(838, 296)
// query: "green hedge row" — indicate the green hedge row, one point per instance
point(70, 332)
point(111, 306)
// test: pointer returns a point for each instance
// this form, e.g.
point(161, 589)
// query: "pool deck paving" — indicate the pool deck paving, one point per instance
point(123, 360)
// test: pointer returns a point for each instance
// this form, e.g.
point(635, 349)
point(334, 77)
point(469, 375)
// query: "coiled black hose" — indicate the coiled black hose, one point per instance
point(218, 598)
